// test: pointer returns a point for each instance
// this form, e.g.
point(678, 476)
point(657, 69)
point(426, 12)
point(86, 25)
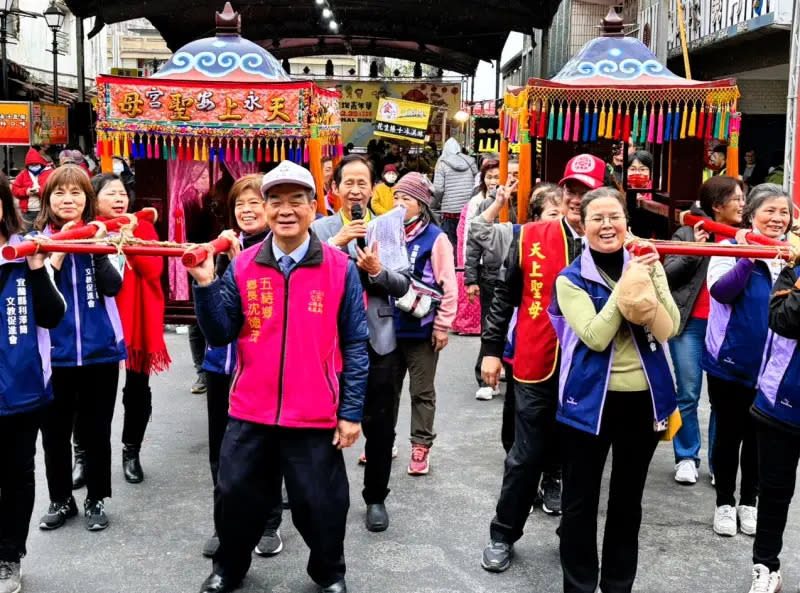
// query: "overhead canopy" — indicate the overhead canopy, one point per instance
point(452, 34)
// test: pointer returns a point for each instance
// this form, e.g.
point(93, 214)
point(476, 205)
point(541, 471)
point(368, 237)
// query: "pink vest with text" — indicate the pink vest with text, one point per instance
point(288, 349)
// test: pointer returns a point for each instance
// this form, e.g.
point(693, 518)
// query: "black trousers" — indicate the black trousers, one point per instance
point(508, 428)
point(89, 392)
point(378, 424)
point(18, 434)
point(534, 433)
point(486, 294)
point(137, 400)
point(627, 429)
point(778, 455)
point(217, 401)
point(197, 346)
point(252, 460)
point(735, 441)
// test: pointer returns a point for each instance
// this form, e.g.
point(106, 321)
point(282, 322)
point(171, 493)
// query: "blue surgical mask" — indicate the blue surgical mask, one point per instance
point(35, 169)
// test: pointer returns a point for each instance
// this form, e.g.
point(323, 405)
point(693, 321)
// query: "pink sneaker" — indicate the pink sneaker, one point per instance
point(419, 465)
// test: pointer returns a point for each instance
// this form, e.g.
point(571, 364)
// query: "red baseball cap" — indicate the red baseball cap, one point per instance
point(586, 169)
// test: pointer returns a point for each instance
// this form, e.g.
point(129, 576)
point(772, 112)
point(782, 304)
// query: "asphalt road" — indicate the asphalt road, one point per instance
point(439, 523)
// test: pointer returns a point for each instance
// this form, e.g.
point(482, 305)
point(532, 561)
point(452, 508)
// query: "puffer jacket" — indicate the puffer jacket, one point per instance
point(454, 179)
point(25, 180)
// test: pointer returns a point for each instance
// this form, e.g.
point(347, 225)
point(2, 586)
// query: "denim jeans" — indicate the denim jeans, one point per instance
point(686, 351)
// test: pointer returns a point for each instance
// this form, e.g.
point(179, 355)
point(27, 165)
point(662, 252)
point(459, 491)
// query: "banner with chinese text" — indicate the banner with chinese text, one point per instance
point(15, 120)
point(167, 107)
point(404, 120)
point(50, 124)
point(359, 104)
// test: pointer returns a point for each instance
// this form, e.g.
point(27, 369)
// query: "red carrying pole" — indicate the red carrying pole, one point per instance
point(100, 249)
point(197, 255)
point(84, 231)
point(726, 230)
point(679, 248)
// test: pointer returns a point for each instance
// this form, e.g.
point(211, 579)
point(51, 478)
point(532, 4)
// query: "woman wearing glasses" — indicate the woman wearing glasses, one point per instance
point(612, 313)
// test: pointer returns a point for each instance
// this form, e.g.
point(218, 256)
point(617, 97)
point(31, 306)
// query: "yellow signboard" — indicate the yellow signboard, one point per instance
point(15, 123)
point(403, 120)
point(360, 100)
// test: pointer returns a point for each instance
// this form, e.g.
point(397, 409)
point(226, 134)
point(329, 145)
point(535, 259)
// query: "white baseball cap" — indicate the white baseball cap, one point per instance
point(288, 172)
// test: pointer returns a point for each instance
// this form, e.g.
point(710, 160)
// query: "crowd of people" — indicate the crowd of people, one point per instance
point(311, 333)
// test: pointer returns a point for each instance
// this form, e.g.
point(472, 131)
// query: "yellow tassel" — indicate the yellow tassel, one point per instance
point(601, 128)
point(610, 121)
point(283, 151)
point(684, 118)
point(115, 141)
point(275, 154)
point(693, 121)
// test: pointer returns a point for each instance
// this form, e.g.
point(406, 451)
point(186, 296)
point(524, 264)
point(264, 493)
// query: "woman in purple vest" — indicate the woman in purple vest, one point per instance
point(421, 340)
point(31, 305)
point(612, 315)
point(777, 421)
point(735, 340)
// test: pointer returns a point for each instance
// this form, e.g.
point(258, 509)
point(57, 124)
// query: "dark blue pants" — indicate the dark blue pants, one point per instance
point(252, 459)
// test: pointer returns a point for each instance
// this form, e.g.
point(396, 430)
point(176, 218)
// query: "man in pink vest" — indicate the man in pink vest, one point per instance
point(296, 308)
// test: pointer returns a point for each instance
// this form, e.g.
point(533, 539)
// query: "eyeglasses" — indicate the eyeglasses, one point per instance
point(613, 219)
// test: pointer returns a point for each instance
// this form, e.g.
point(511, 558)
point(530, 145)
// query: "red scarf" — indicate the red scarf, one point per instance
point(141, 309)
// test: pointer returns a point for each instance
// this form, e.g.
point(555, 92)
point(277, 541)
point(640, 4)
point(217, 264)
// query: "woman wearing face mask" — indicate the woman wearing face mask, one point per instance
point(141, 308)
point(383, 195)
point(123, 171)
point(29, 184)
point(248, 219)
point(735, 342)
point(421, 340)
point(86, 349)
point(612, 314)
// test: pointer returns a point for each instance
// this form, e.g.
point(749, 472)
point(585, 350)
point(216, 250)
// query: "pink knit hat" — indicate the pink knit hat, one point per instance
point(417, 186)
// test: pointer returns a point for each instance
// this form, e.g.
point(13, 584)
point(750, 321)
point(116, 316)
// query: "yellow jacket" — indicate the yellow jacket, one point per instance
point(382, 199)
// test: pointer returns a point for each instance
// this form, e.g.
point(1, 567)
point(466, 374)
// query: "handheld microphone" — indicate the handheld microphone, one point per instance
point(357, 213)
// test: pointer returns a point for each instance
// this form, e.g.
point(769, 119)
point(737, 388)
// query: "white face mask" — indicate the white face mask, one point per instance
point(118, 168)
point(390, 178)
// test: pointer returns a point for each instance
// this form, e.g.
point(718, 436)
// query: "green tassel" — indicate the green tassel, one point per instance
point(635, 131)
point(551, 123)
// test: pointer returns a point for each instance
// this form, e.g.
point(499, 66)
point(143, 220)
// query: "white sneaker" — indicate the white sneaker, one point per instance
point(725, 520)
point(686, 472)
point(765, 581)
point(485, 393)
point(748, 519)
point(394, 451)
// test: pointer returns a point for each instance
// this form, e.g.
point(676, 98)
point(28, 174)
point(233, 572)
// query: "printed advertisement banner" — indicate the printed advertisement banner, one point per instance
point(359, 105)
point(15, 123)
point(50, 124)
point(404, 120)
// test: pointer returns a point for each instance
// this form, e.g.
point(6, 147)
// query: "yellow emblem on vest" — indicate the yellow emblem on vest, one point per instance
point(316, 304)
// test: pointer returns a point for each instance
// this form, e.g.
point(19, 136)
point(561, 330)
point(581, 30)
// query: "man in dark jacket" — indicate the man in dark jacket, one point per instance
point(297, 396)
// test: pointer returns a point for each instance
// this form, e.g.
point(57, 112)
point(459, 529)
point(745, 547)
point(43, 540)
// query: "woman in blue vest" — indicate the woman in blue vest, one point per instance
point(248, 216)
point(616, 392)
point(87, 347)
point(421, 340)
point(735, 340)
point(31, 305)
point(777, 420)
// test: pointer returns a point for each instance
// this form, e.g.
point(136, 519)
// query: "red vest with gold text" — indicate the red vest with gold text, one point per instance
point(543, 254)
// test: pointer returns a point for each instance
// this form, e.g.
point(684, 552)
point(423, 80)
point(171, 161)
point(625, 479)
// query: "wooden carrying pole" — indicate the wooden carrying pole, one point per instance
point(503, 215)
point(682, 30)
point(725, 230)
point(315, 165)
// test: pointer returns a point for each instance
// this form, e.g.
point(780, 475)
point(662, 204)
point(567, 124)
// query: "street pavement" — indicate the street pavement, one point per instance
point(439, 522)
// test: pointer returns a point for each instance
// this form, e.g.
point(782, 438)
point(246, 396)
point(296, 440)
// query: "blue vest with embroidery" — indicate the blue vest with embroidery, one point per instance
point(744, 324)
point(420, 249)
point(584, 373)
point(91, 331)
point(24, 347)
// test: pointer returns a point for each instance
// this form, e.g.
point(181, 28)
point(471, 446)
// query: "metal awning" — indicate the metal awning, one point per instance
point(451, 34)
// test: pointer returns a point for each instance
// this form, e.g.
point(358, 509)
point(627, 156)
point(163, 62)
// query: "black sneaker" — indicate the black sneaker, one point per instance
point(270, 543)
point(550, 492)
point(211, 546)
point(200, 385)
point(58, 513)
point(497, 556)
point(94, 511)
